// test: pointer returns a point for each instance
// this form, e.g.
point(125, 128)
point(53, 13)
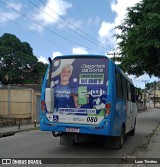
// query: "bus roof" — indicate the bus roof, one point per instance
point(80, 56)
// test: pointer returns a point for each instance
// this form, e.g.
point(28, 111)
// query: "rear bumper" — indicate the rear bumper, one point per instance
point(102, 129)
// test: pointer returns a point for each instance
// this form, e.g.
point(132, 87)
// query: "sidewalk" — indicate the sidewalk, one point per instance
point(149, 151)
point(153, 149)
point(11, 130)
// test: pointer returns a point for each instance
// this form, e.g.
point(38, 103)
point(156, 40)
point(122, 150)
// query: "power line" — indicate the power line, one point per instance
point(140, 80)
point(48, 40)
point(95, 41)
point(48, 28)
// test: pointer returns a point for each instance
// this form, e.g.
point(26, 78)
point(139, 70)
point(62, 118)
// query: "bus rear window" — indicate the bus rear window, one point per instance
point(80, 72)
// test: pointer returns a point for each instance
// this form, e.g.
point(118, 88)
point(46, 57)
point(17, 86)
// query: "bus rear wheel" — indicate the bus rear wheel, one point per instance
point(67, 139)
point(115, 142)
point(120, 140)
point(132, 132)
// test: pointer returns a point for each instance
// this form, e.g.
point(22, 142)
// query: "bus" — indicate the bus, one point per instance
point(87, 96)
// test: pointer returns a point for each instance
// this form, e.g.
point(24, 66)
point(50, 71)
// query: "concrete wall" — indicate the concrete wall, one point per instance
point(18, 103)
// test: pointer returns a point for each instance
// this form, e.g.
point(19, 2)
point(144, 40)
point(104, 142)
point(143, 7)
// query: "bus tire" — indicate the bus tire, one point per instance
point(120, 140)
point(132, 132)
point(67, 140)
point(115, 142)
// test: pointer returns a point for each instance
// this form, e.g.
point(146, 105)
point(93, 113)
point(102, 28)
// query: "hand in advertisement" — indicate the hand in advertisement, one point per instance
point(77, 105)
point(76, 101)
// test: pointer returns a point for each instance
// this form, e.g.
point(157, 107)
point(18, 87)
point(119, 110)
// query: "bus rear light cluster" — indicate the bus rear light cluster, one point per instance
point(43, 106)
point(108, 106)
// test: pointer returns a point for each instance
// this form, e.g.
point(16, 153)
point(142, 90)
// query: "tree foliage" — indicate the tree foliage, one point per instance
point(140, 39)
point(151, 85)
point(19, 65)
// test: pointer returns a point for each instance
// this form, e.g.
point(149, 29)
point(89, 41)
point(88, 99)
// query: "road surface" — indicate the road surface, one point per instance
point(38, 144)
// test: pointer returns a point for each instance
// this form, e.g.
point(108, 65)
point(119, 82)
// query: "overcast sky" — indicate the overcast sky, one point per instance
point(63, 27)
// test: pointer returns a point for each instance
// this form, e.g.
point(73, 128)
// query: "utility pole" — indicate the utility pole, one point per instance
point(0, 68)
point(0, 65)
point(154, 94)
point(145, 95)
point(114, 55)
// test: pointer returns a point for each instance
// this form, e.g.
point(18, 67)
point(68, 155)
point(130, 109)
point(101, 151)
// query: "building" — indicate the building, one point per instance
point(153, 95)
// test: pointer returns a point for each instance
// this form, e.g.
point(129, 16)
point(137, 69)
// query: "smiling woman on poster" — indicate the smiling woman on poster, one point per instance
point(65, 90)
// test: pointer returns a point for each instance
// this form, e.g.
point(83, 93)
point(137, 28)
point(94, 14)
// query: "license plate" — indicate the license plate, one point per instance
point(76, 130)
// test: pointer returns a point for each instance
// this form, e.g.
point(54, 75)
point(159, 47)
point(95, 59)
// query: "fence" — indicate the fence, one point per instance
point(18, 103)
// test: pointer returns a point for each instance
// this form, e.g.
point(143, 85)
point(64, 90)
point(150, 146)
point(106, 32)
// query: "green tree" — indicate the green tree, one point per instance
point(140, 39)
point(19, 66)
point(151, 85)
point(148, 85)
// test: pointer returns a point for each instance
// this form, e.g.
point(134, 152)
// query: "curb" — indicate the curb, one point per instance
point(6, 134)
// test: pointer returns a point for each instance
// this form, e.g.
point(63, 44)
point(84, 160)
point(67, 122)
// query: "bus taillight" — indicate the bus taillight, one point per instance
point(108, 106)
point(43, 106)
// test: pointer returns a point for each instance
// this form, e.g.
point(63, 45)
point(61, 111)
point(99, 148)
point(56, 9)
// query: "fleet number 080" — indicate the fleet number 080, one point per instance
point(92, 119)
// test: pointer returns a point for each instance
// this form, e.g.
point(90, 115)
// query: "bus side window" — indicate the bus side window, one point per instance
point(133, 93)
point(124, 85)
point(118, 85)
point(129, 91)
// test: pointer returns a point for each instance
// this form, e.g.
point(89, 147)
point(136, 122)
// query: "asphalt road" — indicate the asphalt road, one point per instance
point(38, 144)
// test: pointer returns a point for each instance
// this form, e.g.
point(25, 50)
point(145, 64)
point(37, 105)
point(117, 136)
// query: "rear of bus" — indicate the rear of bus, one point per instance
point(75, 100)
